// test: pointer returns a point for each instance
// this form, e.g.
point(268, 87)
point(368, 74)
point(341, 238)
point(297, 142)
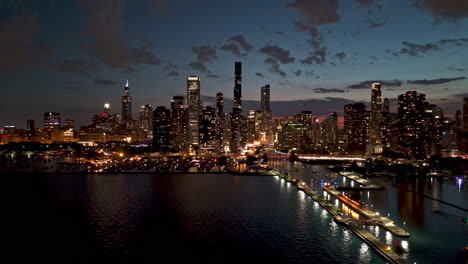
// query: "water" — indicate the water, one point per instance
point(434, 238)
point(137, 217)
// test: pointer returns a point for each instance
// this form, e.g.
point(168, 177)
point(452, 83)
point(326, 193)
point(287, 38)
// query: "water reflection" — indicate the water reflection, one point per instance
point(364, 254)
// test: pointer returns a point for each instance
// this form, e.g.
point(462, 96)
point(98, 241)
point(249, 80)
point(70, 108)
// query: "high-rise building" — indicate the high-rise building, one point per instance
point(220, 121)
point(355, 128)
point(236, 116)
point(69, 124)
point(194, 111)
point(161, 129)
point(374, 145)
point(179, 124)
point(145, 122)
point(329, 132)
point(412, 121)
point(106, 108)
point(51, 120)
point(386, 125)
point(465, 114)
point(127, 120)
point(208, 140)
point(31, 129)
point(305, 143)
point(266, 127)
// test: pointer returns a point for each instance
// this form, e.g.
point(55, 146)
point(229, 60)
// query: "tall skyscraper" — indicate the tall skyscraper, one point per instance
point(355, 128)
point(375, 123)
point(220, 121)
point(161, 129)
point(386, 125)
point(106, 108)
point(127, 119)
point(31, 129)
point(465, 114)
point(194, 111)
point(236, 116)
point(179, 124)
point(208, 140)
point(329, 132)
point(51, 120)
point(145, 122)
point(266, 127)
point(411, 116)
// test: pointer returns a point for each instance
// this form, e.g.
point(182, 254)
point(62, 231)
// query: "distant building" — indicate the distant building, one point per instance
point(386, 125)
point(30, 129)
point(179, 124)
point(127, 120)
point(355, 128)
point(465, 114)
point(194, 105)
point(329, 132)
point(374, 145)
point(236, 115)
point(161, 129)
point(266, 123)
point(145, 122)
point(208, 139)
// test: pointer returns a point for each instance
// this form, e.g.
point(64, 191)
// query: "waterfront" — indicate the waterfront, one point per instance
point(435, 238)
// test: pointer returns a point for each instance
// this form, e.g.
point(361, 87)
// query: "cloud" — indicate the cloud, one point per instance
point(103, 24)
point(280, 54)
point(104, 82)
point(412, 49)
point(325, 90)
point(367, 84)
point(455, 69)
point(460, 95)
point(374, 24)
point(234, 49)
point(212, 76)
point(444, 10)
point(298, 72)
point(205, 54)
point(19, 28)
point(317, 12)
point(149, 43)
point(172, 73)
point(435, 81)
point(259, 74)
point(279, 33)
point(365, 3)
point(274, 66)
point(340, 55)
point(74, 66)
point(317, 57)
point(242, 42)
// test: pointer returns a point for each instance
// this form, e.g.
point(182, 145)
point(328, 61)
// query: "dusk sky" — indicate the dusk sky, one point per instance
point(73, 57)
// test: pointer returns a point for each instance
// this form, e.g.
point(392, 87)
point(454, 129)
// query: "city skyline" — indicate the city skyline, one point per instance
point(320, 61)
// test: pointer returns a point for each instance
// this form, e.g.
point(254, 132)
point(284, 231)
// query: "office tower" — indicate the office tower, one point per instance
point(51, 120)
point(465, 114)
point(236, 116)
point(328, 132)
point(31, 129)
point(374, 145)
point(355, 128)
point(433, 129)
point(179, 124)
point(304, 130)
point(145, 122)
point(161, 129)
point(208, 140)
point(220, 122)
point(194, 110)
point(69, 124)
point(411, 115)
point(127, 120)
point(316, 133)
point(266, 127)
point(386, 125)
point(449, 146)
point(251, 126)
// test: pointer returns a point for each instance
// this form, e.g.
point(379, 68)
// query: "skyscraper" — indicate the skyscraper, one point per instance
point(194, 111)
point(355, 128)
point(236, 116)
point(179, 124)
point(31, 129)
point(329, 132)
point(386, 125)
point(375, 122)
point(465, 114)
point(411, 116)
point(51, 120)
point(208, 140)
point(161, 129)
point(145, 122)
point(127, 119)
point(266, 127)
point(220, 121)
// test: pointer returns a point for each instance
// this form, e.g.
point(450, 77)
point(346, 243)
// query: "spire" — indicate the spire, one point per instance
point(126, 84)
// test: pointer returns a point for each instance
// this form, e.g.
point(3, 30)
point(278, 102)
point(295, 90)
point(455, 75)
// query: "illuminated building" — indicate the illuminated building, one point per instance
point(220, 121)
point(374, 145)
point(355, 128)
point(179, 124)
point(145, 122)
point(51, 120)
point(194, 110)
point(305, 143)
point(69, 124)
point(236, 116)
point(106, 108)
point(411, 116)
point(266, 127)
point(127, 120)
point(329, 133)
point(161, 129)
point(208, 139)
point(386, 125)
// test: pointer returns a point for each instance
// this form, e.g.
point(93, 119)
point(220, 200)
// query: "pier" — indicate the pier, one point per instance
point(354, 225)
point(366, 185)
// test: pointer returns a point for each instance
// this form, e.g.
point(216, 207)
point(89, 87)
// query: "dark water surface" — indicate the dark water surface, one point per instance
point(146, 218)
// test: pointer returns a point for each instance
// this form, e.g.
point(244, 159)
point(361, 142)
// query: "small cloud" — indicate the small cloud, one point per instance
point(340, 55)
point(455, 69)
point(374, 24)
point(367, 84)
point(259, 74)
point(435, 81)
point(280, 54)
point(317, 12)
point(446, 10)
point(298, 72)
point(172, 73)
point(325, 90)
point(212, 76)
point(204, 54)
point(104, 82)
